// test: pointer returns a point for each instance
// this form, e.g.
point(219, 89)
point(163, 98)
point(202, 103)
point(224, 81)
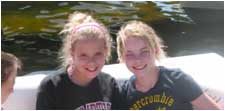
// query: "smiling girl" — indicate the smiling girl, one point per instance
point(86, 47)
point(152, 86)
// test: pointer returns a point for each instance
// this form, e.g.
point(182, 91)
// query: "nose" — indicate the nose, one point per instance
point(91, 61)
point(138, 59)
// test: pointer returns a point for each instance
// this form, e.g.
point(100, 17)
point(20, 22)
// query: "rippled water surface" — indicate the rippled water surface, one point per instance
point(30, 29)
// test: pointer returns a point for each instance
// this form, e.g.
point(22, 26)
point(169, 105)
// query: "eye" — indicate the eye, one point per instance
point(98, 54)
point(82, 56)
point(129, 56)
point(145, 53)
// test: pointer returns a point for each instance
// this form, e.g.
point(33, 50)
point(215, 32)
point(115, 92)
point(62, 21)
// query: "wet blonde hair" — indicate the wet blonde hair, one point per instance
point(140, 30)
point(81, 26)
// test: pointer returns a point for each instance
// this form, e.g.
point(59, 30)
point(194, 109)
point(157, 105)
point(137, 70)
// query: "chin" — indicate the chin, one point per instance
point(138, 72)
point(92, 74)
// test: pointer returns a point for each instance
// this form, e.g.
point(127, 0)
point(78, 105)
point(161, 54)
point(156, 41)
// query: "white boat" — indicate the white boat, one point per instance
point(206, 69)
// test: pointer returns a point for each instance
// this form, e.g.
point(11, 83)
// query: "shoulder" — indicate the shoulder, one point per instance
point(107, 80)
point(105, 77)
point(53, 79)
point(172, 74)
point(128, 84)
point(182, 84)
point(174, 78)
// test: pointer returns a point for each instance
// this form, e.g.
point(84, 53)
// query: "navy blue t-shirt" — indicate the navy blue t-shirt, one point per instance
point(174, 90)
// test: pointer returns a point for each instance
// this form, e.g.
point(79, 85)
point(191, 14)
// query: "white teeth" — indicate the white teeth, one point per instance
point(92, 69)
point(139, 67)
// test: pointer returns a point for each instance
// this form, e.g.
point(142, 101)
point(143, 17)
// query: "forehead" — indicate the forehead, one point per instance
point(89, 44)
point(134, 43)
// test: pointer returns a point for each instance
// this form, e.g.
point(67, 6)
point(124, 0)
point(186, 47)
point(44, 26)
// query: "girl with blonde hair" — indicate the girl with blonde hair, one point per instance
point(152, 86)
point(86, 46)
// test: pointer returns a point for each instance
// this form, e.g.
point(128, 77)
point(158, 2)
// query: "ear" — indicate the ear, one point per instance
point(72, 50)
point(7, 73)
point(121, 59)
point(156, 51)
point(106, 51)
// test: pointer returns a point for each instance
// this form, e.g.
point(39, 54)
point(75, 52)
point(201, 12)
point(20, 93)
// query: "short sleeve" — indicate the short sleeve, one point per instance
point(187, 88)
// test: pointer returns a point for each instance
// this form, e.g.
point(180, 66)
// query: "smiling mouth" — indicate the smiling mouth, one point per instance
point(92, 69)
point(139, 67)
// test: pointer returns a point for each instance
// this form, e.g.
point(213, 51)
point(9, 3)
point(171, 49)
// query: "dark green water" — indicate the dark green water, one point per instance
point(30, 29)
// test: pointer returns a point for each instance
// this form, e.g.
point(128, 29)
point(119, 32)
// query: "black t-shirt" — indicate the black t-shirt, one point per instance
point(174, 90)
point(59, 92)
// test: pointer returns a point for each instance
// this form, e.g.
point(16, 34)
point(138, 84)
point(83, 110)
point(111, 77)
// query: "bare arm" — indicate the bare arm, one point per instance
point(204, 102)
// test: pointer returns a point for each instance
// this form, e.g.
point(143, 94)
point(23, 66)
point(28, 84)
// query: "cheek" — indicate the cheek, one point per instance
point(127, 61)
point(100, 60)
point(9, 87)
point(128, 64)
point(146, 59)
point(78, 63)
point(150, 58)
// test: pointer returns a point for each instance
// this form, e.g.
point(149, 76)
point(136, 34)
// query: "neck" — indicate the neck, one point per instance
point(147, 81)
point(77, 78)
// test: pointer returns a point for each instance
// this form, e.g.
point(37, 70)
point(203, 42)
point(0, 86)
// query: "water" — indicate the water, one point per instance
point(30, 29)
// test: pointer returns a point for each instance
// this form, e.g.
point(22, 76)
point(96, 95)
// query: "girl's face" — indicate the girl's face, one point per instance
point(88, 57)
point(138, 56)
point(7, 86)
